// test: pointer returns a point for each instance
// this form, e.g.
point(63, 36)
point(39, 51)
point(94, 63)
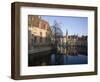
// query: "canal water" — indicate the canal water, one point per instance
point(55, 59)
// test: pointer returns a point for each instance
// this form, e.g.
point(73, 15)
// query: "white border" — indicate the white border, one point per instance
point(25, 70)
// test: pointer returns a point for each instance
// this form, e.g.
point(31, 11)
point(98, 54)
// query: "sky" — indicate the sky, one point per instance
point(74, 25)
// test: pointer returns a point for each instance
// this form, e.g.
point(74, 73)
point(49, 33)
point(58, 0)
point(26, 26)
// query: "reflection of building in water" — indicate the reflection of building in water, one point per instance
point(38, 33)
point(74, 44)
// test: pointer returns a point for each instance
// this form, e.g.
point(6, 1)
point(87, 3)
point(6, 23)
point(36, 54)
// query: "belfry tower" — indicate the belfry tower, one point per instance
point(66, 40)
point(66, 34)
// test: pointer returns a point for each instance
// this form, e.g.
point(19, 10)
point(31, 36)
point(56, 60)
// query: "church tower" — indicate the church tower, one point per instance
point(66, 33)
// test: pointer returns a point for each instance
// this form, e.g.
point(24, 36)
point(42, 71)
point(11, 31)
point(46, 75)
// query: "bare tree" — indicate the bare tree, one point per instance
point(57, 35)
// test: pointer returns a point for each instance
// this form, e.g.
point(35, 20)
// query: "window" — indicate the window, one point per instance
point(46, 39)
point(40, 39)
point(41, 34)
point(46, 34)
point(32, 42)
point(44, 26)
point(35, 39)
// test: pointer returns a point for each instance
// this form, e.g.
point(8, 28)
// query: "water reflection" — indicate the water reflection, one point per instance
point(54, 59)
point(63, 59)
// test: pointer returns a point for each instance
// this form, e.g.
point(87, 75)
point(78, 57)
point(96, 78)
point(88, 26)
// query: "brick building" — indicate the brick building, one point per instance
point(39, 33)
